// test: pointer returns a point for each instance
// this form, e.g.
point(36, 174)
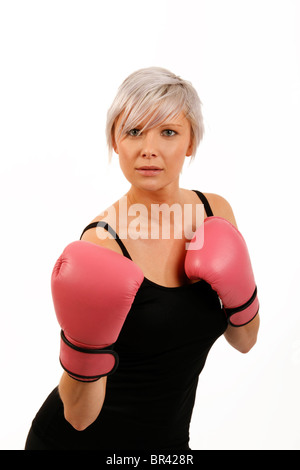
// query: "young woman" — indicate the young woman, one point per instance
point(140, 304)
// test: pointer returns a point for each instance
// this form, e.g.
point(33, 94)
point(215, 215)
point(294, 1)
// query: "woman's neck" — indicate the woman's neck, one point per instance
point(168, 196)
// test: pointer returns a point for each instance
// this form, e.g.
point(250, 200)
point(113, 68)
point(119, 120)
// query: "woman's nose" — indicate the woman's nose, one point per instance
point(149, 146)
point(148, 154)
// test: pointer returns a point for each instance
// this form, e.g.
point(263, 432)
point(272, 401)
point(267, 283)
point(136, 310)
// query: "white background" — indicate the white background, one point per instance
point(61, 63)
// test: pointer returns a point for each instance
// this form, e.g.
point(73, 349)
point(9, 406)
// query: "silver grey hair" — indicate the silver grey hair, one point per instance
point(153, 95)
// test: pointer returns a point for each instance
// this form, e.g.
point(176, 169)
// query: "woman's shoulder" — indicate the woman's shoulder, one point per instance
point(102, 230)
point(220, 207)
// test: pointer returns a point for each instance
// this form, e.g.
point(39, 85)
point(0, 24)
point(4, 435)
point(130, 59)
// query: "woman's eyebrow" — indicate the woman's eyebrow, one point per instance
point(171, 125)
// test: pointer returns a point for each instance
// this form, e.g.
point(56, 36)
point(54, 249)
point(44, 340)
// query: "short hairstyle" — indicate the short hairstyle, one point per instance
point(153, 95)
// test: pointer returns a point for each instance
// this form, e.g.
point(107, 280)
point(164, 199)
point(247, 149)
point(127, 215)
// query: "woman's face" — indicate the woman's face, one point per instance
point(153, 159)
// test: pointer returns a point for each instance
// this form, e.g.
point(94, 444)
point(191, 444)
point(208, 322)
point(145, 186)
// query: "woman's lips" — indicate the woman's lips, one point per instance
point(149, 170)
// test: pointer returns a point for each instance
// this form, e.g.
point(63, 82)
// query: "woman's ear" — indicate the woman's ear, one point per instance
point(114, 144)
point(190, 148)
point(115, 147)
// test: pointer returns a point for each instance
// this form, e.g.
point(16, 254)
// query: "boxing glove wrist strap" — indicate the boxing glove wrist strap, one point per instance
point(240, 316)
point(232, 311)
point(92, 366)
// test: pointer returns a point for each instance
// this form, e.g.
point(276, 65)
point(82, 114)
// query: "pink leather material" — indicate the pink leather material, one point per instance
point(245, 316)
point(93, 289)
point(84, 366)
point(224, 263)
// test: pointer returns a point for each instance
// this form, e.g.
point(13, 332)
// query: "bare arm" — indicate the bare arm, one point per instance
point(82, 401)
point(242, 338)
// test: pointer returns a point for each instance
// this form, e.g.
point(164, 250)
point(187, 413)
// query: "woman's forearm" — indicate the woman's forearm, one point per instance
point(243, 338)
point(82, 401)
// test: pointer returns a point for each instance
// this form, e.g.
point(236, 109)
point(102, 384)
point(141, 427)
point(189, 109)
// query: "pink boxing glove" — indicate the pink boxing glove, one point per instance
point(93, 289)
point(224, 263)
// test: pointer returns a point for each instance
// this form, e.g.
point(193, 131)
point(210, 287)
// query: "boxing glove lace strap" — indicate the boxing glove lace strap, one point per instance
point(90, 351)
point(232, 311)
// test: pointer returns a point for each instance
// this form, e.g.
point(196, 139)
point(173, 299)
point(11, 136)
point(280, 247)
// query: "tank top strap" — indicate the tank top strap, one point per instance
point(207, 207)
point(109, 229)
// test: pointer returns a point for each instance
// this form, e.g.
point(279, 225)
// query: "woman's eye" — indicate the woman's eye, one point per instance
point(168, 132)
point(134, 132)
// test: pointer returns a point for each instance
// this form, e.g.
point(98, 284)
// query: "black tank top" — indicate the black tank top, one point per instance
point(162, 349)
